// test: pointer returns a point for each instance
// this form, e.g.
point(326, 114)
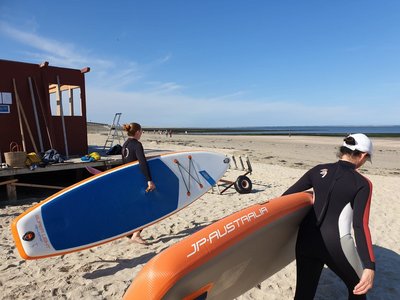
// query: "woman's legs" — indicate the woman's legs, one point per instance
point(310, 250)
point(341, 266)
point(136, 238)
point(308, 274)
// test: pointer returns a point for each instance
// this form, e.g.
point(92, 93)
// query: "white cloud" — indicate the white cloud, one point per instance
point(105, 72)
point(163, 87)
point(165, 59)
point(58, 53)
point(169, 110)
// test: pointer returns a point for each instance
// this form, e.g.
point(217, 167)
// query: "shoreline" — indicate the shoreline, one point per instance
point(392, 131)
point(234, 132)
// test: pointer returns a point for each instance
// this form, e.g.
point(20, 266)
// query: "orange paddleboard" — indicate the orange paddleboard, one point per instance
point(228, 257)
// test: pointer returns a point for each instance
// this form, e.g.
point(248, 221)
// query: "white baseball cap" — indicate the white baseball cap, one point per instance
point(361, 143)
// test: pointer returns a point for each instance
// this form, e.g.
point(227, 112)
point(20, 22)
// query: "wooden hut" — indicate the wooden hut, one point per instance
point(42, 107)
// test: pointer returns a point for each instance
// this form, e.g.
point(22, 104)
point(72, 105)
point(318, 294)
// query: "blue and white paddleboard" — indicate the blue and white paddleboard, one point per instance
point(114, 203)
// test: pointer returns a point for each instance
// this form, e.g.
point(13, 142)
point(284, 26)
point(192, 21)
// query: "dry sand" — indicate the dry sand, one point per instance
point(105, 272)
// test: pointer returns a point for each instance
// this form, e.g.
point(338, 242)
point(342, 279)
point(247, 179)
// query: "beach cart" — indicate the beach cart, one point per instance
point(242, 184)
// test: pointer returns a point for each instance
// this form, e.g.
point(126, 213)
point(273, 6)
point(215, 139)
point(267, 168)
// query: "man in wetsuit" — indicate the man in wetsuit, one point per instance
point(342, 197)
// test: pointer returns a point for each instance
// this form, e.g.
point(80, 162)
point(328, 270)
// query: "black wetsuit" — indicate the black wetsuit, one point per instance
point(132, 150)
point(342, 197)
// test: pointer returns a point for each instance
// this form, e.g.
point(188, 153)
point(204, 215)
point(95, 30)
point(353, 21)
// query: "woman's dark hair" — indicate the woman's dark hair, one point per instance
point(132, 128)
point(349, 140)
point(344, 150)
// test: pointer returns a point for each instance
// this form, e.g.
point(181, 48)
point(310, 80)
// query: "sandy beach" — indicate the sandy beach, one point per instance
point(105, 272)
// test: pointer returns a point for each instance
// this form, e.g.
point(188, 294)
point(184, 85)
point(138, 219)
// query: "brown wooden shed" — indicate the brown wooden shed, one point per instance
point(42, 107)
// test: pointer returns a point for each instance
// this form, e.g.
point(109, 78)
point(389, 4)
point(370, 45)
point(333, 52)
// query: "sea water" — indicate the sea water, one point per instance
point(301, 130)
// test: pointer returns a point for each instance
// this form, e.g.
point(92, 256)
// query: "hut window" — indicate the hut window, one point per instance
point(5, 102)
point(67, 101)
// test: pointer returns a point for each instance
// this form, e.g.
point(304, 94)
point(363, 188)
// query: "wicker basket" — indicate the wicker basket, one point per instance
point(15, 158)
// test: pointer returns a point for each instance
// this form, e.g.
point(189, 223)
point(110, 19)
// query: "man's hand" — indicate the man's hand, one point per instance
point(366, 282)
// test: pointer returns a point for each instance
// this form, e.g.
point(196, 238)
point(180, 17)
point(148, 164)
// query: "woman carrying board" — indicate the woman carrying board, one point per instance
point(132, 150)
point(342, 197)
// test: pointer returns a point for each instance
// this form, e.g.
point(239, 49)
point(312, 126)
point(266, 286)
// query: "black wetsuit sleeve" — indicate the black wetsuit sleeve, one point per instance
point(303, 184)
point(362, 233)
point(132, 150)
point(144, 167)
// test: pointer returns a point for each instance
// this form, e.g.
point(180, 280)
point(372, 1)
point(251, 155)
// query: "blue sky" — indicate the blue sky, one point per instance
point(213, 63)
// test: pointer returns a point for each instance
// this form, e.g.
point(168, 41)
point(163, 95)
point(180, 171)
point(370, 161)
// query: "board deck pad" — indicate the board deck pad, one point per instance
point(115, 203)
point(228, 257)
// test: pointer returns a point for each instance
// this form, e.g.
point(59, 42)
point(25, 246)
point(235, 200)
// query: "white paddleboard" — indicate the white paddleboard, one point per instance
point(114, 203)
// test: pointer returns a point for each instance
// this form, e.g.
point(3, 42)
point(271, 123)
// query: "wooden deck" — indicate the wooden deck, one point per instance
point(11, 177)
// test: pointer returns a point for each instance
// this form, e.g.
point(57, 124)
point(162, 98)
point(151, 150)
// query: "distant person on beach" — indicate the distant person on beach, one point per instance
point(132, 150)
point(342, 197)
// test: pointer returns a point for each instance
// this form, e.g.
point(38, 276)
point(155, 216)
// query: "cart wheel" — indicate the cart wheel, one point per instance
point(243, 185)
